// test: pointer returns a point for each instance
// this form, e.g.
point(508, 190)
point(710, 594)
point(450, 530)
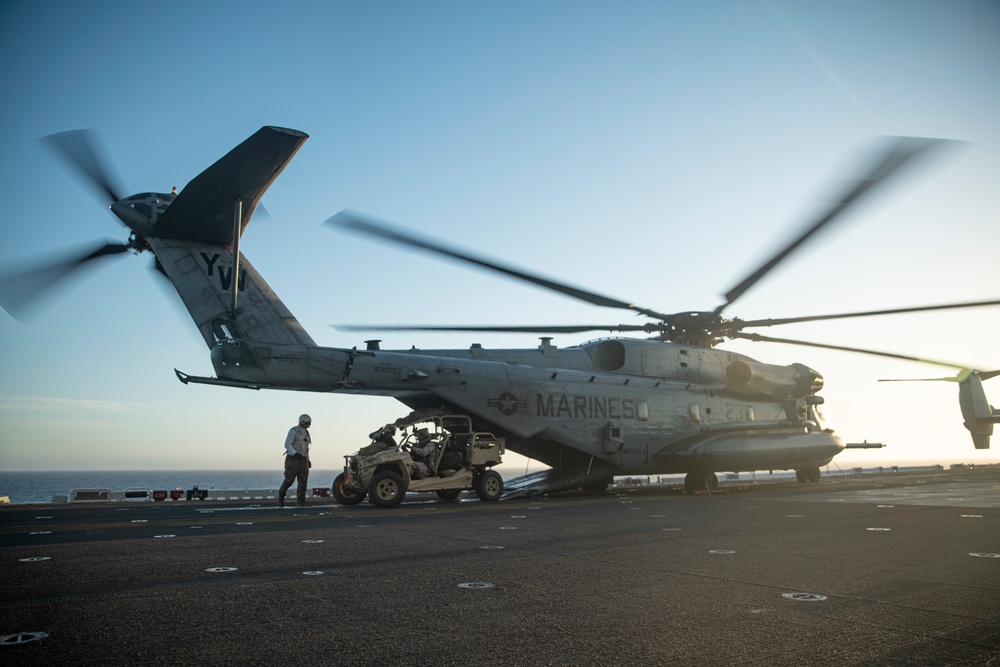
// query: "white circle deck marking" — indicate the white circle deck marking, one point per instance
point(721, 552)
point(886, 505)
point(313, 573)
point(41, 532)
point(34, 559)
point(244, 523)
point(983, 555)
point(804, 597)
point(879, 530)
point(508, 527)
point(473, 585)
point(492, 546)
point(43, 517)
point(193, 527)
point(140, 520)
point(221, 569)
point(518, 516)
point(19, 638)
point(312, 541)
point(164, 536)
point(796, 516)
point(971, 516)
point(671, 529)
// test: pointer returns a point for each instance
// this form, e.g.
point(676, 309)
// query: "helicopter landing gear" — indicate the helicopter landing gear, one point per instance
point(598, 486)
point(807, 474)
point(701, 480)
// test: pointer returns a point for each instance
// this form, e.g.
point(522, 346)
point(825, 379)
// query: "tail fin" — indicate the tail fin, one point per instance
point(202, 275)
point(196, 238)
point(979, 415)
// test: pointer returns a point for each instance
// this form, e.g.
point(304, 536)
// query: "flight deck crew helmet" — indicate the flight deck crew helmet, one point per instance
point(305, 419)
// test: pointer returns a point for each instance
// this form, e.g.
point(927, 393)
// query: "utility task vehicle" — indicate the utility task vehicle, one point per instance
point(439, 453)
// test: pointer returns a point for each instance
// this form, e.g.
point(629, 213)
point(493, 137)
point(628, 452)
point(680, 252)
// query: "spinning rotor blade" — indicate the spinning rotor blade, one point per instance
point(893, 311)
point(767, 339)
point(579, 328)
point(360, 223)
point(960, 377)
point(19, 290)
point(901, 151)
point(80, 149)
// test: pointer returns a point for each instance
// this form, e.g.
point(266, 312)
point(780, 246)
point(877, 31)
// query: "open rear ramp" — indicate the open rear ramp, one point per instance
point(555, 481)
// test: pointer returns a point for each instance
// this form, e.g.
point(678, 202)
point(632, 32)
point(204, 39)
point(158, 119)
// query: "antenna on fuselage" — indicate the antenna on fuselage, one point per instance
point(237, 218)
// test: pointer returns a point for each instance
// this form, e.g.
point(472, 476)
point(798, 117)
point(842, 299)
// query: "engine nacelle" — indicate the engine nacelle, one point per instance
point(752, 378)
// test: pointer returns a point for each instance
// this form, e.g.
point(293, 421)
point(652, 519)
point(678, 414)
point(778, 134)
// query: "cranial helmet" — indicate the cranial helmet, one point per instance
point(305, 418)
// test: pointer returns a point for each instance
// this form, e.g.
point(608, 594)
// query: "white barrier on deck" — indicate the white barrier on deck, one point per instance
point(90, 495)
point(175, 495)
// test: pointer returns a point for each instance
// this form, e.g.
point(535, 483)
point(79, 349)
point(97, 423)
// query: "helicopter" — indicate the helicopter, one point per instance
point(673, 402)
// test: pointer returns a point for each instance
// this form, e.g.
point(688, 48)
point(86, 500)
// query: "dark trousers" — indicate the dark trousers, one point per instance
point(295, 470)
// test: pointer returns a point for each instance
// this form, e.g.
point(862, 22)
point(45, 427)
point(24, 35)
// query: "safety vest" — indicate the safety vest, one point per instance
point(302, 441)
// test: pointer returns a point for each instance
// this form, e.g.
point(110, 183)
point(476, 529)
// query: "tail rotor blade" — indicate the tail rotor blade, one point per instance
point(20, 291)
point(81, 151)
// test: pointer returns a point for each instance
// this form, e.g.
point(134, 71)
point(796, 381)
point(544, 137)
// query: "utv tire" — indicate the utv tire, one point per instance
point(386, 489)
point(345, 496)
point(449, 494)
point(489, 486)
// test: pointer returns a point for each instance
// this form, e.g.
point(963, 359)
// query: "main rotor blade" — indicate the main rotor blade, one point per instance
point(19, 290)
point(366, 225)
point(869, 313)
point(579, 328)
point(901, 151)
point(80, 149)
point(891, 355)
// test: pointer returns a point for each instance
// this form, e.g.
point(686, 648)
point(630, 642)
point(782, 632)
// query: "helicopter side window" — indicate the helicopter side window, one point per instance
point(609, 355)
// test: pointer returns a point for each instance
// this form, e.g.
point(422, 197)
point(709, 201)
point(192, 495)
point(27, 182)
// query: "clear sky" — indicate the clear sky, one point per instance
point(651, 151)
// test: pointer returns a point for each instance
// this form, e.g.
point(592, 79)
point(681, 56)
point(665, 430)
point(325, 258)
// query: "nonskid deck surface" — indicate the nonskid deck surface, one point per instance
point(897, 569)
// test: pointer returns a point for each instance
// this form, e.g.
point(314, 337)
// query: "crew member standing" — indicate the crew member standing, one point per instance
point(297, 461)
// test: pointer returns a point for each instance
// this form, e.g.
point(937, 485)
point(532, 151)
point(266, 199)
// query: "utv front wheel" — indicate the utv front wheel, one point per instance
point(489, 485)
point(344, 495)
point(387, 489)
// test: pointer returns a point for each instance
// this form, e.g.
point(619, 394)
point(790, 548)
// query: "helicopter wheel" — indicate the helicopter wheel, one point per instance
point(701, 480)
point(808, 475)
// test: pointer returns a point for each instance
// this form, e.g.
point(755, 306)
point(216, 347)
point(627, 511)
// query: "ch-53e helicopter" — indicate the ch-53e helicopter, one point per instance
point(673, 403)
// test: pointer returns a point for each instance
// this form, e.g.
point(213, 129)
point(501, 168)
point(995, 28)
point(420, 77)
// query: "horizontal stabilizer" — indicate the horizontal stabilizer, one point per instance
point(203, 211)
